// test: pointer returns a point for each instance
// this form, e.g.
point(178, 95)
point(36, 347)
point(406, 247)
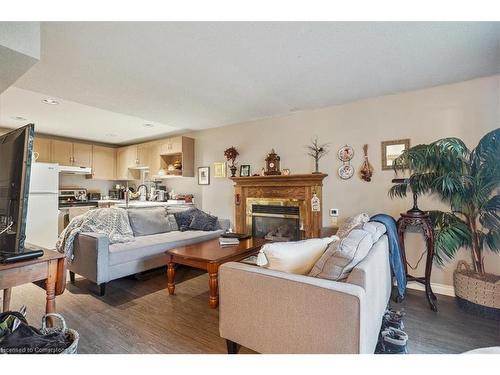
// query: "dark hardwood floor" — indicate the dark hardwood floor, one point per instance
point(138, 316)
point(450, 330)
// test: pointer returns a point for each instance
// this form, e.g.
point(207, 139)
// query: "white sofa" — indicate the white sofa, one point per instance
point(99, 261)
point(275, 312)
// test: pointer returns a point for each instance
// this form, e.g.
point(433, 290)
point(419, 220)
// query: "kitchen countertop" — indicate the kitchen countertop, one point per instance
point(140, 204)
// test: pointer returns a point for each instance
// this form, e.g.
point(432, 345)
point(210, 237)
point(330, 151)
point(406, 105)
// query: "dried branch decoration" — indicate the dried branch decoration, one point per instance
point(317, 151)
point(366, 170)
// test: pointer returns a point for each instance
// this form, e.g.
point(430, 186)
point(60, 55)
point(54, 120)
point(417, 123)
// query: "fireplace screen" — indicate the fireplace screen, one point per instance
point(276, 223)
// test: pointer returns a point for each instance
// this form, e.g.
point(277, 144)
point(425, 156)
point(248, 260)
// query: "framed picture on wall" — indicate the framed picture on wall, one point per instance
point(220, 169)
point(245, 170)
point(203, 175)
point(391, 150)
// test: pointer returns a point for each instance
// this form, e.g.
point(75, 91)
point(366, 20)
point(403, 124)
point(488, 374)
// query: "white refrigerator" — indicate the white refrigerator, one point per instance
point(43, 202)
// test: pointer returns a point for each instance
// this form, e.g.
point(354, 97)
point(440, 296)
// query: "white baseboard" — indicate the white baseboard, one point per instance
point(446, 290)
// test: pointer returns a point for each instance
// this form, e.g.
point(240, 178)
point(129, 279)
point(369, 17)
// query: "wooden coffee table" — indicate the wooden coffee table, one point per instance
point(208, 256)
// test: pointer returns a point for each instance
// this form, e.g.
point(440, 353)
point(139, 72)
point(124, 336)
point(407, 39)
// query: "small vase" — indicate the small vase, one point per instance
point(316, 165)
point(233, 170)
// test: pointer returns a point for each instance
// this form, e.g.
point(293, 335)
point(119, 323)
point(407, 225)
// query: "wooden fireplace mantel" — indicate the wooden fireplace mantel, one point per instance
point(292, 179)
point(297, 187)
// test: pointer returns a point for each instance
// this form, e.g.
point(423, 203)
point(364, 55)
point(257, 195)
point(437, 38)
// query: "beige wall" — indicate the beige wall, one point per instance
point(467, 110)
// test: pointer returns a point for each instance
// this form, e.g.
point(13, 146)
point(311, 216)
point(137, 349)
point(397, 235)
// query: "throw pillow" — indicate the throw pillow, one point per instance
point(296, 257)
point(343, 255)
point(203, 221)
point(184, 218)
point(352, 222)
point(146, 221)
point(171, 223)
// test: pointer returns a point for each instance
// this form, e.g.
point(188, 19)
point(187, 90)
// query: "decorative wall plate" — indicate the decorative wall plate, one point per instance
point(345, 153)
point(346, 171)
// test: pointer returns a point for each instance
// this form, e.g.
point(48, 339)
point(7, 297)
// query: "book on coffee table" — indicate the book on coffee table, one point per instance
point(228, 241)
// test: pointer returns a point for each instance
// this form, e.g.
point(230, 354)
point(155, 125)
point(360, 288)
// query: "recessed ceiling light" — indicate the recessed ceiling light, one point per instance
point(19, 118)
point(50, 101)
point(148, 125)
point(111, 135)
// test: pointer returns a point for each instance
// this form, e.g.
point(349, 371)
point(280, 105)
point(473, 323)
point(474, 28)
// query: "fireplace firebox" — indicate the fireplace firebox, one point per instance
point(276, 223)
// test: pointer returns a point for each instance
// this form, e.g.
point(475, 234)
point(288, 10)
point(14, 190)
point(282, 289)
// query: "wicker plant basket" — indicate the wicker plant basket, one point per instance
point(475, 293)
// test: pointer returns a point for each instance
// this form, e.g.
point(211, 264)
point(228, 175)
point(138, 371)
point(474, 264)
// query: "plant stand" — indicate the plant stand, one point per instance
point(417, 218)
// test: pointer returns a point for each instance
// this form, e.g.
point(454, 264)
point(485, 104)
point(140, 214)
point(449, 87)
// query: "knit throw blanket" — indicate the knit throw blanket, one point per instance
point(112, 222)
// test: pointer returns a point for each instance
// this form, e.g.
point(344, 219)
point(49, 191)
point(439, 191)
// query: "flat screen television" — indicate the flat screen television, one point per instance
point(16, 148)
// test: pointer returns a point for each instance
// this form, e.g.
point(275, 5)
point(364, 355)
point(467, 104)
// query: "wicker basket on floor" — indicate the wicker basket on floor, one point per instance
point(477, 293)
point(73, 335)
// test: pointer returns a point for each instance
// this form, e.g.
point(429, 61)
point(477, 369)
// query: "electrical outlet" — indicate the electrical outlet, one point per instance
point(334, 212)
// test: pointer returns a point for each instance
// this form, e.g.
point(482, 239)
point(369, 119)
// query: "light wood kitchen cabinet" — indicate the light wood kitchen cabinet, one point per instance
point(62, 152)
point(131, 159)
point(82, 155)
point(71, 153)
point(103, 163)
point(42, 148)
point(122, 163)
point(143, 154)
point(187, 157)
point(171, 146)
point(154, 159)
point(126, 157)
point(180, 149)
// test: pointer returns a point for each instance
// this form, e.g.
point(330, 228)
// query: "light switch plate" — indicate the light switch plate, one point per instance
point(334, 212)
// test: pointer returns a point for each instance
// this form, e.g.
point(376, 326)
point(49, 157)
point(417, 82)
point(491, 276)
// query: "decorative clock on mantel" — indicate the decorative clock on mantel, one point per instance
point(272, 164)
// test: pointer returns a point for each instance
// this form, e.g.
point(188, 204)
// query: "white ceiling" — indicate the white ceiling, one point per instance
point(74, 120)
point(19, 50)
point(206, 74)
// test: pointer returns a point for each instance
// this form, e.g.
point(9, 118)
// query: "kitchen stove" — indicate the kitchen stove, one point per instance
point(73, 202)
point(77, 204)
point(74, 197)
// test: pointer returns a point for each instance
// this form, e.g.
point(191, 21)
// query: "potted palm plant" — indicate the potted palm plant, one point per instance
point(469, 182)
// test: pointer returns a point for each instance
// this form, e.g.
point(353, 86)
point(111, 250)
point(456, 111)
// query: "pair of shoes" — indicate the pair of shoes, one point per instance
point(393, 318)
point(393, 341)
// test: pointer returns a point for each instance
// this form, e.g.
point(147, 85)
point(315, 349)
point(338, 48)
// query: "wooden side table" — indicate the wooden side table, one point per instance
point(420, 219)
point(48, 272)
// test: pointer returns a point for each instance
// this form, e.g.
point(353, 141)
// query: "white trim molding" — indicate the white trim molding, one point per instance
point(446, 290)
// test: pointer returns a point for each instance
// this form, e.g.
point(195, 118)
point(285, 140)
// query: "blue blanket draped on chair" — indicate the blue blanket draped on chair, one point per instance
point(397, 266)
